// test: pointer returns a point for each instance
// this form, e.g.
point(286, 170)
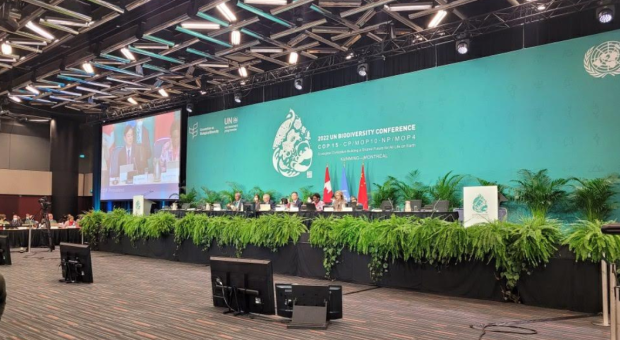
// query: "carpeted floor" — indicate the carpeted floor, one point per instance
point(141, 298)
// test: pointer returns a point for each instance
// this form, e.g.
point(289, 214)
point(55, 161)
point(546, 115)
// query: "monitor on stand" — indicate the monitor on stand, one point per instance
point(243, 286)
point(5, 250)
point(76, 263)
point(288, 296)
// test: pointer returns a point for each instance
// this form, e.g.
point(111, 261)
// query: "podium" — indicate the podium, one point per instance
point(141, 206)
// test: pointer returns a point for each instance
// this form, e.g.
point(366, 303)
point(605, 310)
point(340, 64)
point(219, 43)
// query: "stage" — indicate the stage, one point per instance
point(142, 298)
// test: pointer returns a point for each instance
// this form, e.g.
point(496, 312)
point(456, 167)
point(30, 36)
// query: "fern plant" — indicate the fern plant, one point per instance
point(321, 236)
point(190, 198)
point(210, 196)
point(204, 230)
point(588, 242)
point(411, 189)
point(159, 225)
point(539, 192)
point(277, 230)
point(593, 197)
point(388, 191)
point(447, 188)
point(114, 223)
point(134, 228)
point(90, 225)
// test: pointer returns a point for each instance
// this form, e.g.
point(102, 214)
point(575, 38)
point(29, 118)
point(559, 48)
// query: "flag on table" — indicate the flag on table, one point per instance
point(327, 188)
point(362, 193)
point(344, 185)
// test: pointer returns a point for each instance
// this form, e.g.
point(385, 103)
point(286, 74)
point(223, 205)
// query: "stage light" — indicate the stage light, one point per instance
point(35, 28)
point(350, 56)
point(15, 99)
point(462, 46)
point(235, 38)
point(243, 71)
point(299, 84)
point(7, 49)
point(226, 12)
point(362, 69)
point(292, 58)
point(189, 107)
point(88, 67)
point(266, 2)
point(33, 89)
point(439, 16)
point(541, 7)
point(200, 25)
point(419, 6)
point(259, 49)
point(132, 101)
point(214, 65)
point(603, 14)
point(127, 53)
point(163, 93)
point(237, 97)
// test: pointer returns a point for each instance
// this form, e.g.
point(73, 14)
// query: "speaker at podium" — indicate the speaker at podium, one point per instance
point(141, 206)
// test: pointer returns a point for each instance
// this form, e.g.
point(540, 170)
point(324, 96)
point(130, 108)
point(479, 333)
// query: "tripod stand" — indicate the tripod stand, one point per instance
point(45, 220)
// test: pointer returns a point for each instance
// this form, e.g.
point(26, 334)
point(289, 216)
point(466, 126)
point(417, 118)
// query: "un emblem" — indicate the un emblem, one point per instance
point(603, 60)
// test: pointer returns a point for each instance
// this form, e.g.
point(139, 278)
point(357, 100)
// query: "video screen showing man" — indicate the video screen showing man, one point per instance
point(131, 153)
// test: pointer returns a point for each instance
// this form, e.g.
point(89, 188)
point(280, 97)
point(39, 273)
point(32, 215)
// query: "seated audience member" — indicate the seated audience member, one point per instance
point(237, 204)
point(30, 220)
point(70, 221)
point(355, 204)
point(50, 218)
point(171, 151)
point(316, 200)
point(16, 222)
point(256, 201)
point(295, 201)
point(267, 200)
point(2, 295)
point(339, 201)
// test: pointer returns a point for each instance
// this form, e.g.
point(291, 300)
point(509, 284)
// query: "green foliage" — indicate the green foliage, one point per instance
point(447, 188)
point(90, 225)
point(593, 197)
point(204, 231)
point(305, 192)
point(114, 222)
point(158, 225)
point(210, 196)
point(388, 191)
point(539, 192)
point(190, 198)
point(134, 228)
point(411, 188)
point(260, 192)
point(321, 236)
point(487, 242)
point(589, 243)
point(277, 230)
point(184, 227)
point(502, 189)
point(228, 196)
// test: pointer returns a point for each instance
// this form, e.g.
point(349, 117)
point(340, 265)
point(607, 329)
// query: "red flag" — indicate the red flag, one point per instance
point(327, 188)
point(362, 193)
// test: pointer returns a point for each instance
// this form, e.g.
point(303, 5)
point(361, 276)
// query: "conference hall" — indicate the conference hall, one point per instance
point(309, 169)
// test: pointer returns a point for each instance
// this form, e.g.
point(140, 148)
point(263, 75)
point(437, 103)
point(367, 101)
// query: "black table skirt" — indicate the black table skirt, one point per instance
point(19, 238)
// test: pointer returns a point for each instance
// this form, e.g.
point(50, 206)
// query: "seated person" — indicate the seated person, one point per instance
point(316, 200)
point(267, 200)
point(295, 201)
point(30, 220)
point(16, 222)
point(2, 295)
point(237, 204)
point(339, 201)
point(355, 204)
point(256, 201)
point(50, 218)
point(70, 221)
point(171, 151)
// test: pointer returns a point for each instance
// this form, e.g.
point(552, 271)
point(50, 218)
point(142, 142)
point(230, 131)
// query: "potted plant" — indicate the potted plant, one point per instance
point(593, 197)
point(539, 192)
point(411, 189)
point(447, 188)
point(388, 191)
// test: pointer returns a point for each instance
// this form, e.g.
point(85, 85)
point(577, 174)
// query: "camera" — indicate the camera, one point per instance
point(45, 204)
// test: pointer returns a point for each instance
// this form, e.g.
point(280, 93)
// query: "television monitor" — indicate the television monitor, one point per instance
point(308, 207)
point(242, 285)
point(5, 250)
point(76, 263)
point(141, 157)
point(288, 295)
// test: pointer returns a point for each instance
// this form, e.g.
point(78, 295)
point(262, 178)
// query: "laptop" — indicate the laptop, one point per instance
point(308, 207)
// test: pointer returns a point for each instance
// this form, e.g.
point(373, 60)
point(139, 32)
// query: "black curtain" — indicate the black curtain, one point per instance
point(64, 138)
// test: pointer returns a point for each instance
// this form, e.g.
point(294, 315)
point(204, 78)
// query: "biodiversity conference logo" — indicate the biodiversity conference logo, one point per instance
point(603, 60)
point(480, 204)
point(193, 130)
point(292, 154)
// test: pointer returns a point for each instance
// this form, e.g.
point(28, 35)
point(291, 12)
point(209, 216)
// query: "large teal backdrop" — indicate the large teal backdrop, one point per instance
point(535, 108)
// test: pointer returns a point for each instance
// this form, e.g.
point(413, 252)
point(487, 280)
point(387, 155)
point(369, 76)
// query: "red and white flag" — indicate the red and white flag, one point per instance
point(362, 193)
point(327, 188)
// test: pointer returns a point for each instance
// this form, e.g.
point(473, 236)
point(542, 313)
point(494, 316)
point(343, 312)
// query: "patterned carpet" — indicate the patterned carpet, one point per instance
point(141, 298)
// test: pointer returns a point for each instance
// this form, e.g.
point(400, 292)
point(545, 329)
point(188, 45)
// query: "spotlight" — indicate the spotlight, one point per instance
point(88, 68)
point(299, 84)
point(604, 14)
point(132, 101)
point(235, 38)
point(163, 93)
point(237, 97)
point(15, 99)
point(243, 71)
point(292, 58)
point(541, 7)
point(7, 49)
point(362, 69)
point(462, 46)
point(33, 89)
point(127, 53)
point(189, 107)
point(350, 56)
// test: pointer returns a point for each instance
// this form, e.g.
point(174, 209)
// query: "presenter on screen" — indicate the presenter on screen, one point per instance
point(171, 152)
point(267, 200)
point(237, 204)
point(295, 201)
point(131, 153)
point(316, 200)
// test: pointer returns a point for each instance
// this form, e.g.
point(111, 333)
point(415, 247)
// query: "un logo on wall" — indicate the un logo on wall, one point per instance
point(603, 60)
point(292, 153)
